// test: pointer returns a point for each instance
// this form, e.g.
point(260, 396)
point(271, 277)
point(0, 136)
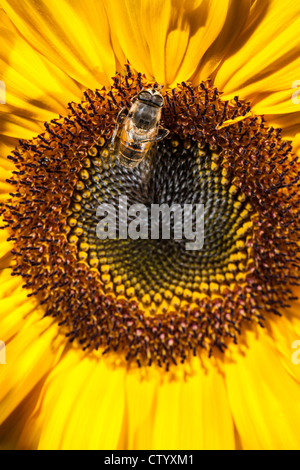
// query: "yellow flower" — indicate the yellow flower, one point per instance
point(53, 394)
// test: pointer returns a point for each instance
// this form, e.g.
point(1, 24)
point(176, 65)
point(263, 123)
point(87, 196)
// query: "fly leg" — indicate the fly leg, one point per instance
point(162, 133)
point(147, 164)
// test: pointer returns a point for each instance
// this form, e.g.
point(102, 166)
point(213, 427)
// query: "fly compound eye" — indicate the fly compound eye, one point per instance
point(145, 96)
point(158, 100)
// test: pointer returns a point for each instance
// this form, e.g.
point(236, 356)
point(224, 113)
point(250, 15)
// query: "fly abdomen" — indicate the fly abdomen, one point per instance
point(131, 155)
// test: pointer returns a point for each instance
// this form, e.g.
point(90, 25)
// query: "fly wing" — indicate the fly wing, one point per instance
point(115, 142)
point(116, 137)
point(146, 166)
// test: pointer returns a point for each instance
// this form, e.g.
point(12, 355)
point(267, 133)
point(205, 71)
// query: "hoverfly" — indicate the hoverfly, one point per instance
point(138, 129)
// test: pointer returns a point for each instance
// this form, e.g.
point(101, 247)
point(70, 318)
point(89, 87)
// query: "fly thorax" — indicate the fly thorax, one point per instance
point(146, 117)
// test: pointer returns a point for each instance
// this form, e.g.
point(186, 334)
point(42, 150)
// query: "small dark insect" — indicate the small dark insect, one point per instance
point(137, 129)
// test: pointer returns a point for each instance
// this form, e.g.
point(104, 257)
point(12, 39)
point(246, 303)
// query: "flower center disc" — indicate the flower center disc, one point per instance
point(152, 299)
point(162, 273)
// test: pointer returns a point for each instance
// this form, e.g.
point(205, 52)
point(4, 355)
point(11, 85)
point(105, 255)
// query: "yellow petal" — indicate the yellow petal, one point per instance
point(73, 36)
point(82, 405)
point(227, 40)
point(39, 91)
point(285, 332)
point(36, 90)
point(192, 410)
point(141, 392)
point(16, 126)
point(5, 247)
point(264, 66)
point(97, 418)
point(9, 283)
point(33, 428)
point(29, 356)
point(29, 344)
point(7, 144)
point(12, 428)
point(289, 123)
point(263, 395)
point(296, 144)
point(166, 40)
point(14, 312)
point(5, 187)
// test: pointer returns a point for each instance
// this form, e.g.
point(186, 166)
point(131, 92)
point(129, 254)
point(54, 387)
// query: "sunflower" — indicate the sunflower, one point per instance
point(140, 344)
